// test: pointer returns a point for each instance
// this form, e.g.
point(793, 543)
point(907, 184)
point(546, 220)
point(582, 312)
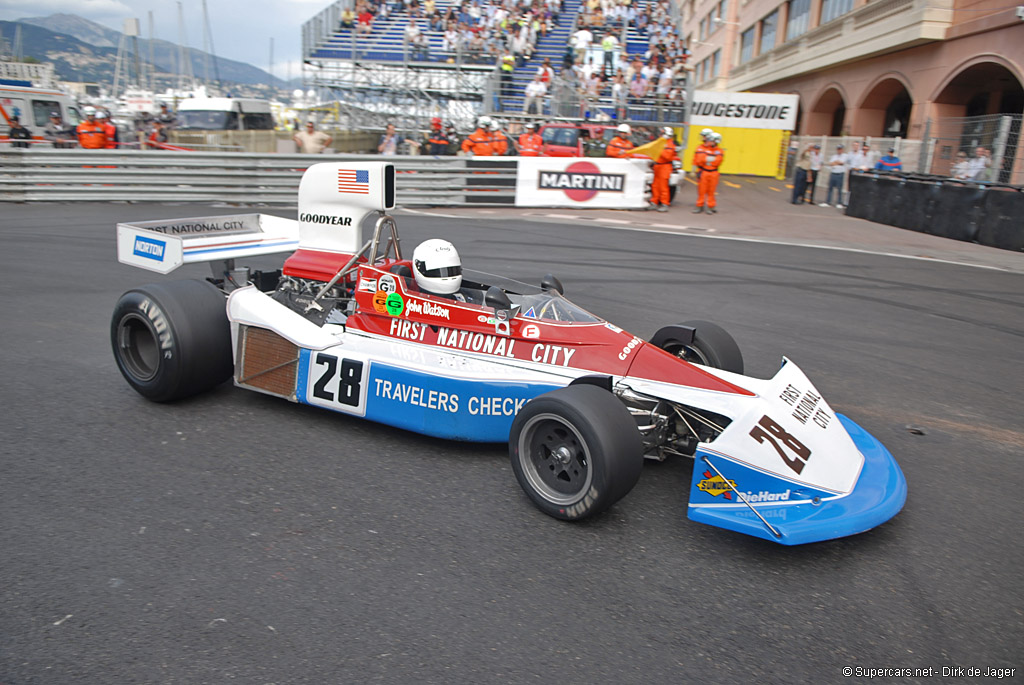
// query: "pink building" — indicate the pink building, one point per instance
point(866, 68)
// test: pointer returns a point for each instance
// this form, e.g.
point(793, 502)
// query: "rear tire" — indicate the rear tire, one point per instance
point(172, 340)
point(575, 451)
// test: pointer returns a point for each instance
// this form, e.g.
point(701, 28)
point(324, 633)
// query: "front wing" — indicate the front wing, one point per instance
point(790, 470)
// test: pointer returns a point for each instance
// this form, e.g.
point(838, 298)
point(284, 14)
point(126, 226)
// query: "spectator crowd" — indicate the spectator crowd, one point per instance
point(482, 32)
point(506, 33)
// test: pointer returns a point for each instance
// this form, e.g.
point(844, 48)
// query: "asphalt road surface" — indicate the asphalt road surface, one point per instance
point(236, 537)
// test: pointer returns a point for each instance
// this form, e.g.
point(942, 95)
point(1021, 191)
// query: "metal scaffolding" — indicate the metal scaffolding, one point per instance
point(372, 94)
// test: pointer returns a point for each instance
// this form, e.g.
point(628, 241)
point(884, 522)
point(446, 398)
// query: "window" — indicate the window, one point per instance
point(561, 136)
point(715, 60)
point(703, 29)
point(746, 45)
point(258, 121)
point(722, 7)
point(41, 110)
point(832, 9)
point(799, 17)
point(207, 120)
point(769, 26)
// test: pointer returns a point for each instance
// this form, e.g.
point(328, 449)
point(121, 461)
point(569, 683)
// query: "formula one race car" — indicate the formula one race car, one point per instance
point(356, 327)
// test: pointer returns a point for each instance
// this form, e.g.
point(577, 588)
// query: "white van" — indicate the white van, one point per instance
point(224, 114)
point(33, 107)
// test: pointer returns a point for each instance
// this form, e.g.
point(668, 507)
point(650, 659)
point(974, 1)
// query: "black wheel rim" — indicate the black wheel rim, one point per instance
point(688, 353)
point(555, 459)
point(138, 347)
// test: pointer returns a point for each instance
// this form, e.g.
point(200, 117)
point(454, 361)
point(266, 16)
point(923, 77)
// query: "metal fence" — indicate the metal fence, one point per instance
point(51, 175)
point(931, 156)
point(999, 134)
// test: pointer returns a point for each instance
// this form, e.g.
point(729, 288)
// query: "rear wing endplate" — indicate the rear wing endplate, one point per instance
point(164, 245)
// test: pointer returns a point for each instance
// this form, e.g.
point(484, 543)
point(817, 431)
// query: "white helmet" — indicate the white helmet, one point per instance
point(624, 128)
point(716, 137)
point(495, 125)
point(667, 132)
point(484, 122)
point(706, 133)
point(437, 267)
point(89, 110)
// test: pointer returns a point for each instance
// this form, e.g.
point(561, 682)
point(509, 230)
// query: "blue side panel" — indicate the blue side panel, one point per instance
point(302, 376)
point(446, 407)
point(799, 513)
point(431, 404)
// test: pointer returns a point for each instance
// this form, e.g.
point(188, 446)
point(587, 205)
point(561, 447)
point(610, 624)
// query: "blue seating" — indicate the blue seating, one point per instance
point(386, 43)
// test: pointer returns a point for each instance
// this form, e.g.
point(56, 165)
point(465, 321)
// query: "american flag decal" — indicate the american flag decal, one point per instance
point(352, 181)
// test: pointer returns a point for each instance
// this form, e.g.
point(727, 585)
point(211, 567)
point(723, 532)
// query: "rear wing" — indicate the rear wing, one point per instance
point(164, 245)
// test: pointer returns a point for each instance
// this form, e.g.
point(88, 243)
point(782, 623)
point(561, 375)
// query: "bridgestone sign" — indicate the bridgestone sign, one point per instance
point(744, 110)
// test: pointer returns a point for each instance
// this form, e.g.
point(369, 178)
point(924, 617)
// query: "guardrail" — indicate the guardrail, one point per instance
point(51, 175)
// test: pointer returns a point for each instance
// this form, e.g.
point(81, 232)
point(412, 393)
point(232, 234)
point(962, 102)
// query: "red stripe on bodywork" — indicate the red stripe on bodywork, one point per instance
point(315, 265)
point(655, 364)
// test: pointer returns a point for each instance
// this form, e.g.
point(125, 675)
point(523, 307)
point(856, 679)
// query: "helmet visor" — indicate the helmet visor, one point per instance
point(439, 272)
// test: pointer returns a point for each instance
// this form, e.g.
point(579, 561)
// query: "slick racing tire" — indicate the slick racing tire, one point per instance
point(575, 451)
point(172, 340)
point(711, 346)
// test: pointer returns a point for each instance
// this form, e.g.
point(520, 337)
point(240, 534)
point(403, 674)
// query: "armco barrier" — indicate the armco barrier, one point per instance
point(45, 174)
point(988, 214)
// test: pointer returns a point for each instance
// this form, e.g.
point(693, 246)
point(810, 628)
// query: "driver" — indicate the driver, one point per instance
point(437, 268)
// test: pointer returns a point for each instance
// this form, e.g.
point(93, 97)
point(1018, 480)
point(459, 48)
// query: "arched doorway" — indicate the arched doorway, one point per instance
point(981, 107)
point(885, 110)
point(828, 115)
point(984, 87)
point(897, 116)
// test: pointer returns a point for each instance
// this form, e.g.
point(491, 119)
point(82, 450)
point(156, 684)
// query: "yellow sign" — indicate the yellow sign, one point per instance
point(716, 485)
point(749, 152)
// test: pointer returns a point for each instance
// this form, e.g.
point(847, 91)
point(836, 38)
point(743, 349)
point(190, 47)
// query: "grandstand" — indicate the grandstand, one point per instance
point(386, 69)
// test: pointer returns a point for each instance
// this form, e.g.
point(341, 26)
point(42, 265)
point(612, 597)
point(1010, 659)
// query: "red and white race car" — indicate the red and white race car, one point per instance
point(581, 402)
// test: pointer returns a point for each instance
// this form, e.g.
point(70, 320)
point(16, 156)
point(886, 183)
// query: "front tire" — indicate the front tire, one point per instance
point(172, 340)
point(711, 346)
point(575, 451)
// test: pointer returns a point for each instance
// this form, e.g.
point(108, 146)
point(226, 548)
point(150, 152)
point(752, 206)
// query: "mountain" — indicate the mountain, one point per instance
point(84, 30)
point(85, 51)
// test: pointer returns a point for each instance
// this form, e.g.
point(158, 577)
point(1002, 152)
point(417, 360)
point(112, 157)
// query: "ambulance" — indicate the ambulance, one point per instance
point(33, 107)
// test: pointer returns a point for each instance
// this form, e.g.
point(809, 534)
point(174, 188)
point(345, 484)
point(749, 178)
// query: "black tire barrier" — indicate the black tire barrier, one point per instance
point(863, 197)
point(971, 212)
point(1002, 227)
point(958, 215)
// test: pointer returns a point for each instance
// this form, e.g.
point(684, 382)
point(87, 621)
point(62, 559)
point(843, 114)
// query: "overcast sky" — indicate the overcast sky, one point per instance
point(241, 29)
